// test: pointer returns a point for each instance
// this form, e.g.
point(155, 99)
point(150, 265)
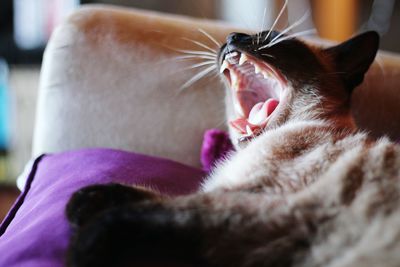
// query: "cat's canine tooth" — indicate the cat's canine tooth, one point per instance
point(248, 130)
point(257, 69)
point(243, 59)
point(224, 66)
point(231, 55)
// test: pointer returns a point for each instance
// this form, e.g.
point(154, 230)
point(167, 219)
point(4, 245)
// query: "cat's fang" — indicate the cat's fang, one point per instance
point(224, 66)
point(231, 55)
point(249, 130)
point(243, 59)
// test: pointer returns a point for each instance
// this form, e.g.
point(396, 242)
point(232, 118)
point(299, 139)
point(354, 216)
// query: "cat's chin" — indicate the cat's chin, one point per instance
point(258, 93)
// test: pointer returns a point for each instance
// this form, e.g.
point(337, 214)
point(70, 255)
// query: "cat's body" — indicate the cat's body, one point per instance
point(305, 188)
point(332, 193)
point(298, 154)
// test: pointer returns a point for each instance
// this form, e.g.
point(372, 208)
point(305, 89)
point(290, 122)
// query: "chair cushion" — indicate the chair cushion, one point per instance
point(36, 232)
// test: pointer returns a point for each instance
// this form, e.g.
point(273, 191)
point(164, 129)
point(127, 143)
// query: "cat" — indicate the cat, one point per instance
point(305, 187)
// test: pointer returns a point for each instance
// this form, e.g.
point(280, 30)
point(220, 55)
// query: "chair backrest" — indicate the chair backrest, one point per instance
point(111, 78)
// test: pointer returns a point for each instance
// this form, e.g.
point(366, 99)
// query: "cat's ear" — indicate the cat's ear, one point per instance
point(354, 57)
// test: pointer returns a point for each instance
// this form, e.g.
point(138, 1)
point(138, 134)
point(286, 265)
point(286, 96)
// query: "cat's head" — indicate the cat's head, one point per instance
point(270, 82)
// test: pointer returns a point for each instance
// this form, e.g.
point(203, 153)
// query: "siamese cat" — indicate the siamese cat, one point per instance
point(304, 187)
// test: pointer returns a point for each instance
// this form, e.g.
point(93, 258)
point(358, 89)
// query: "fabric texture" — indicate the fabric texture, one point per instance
point(35, 233)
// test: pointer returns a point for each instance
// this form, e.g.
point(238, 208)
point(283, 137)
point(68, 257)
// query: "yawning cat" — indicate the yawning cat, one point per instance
point(304, 187)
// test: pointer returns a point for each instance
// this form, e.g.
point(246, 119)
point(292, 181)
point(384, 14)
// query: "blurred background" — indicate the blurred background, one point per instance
point(26, 26)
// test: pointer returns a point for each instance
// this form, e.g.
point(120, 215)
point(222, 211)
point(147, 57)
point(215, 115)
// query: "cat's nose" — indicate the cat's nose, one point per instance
point(237, 37)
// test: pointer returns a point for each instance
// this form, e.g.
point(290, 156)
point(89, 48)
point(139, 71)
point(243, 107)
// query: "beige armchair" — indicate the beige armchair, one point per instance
point(110, 78)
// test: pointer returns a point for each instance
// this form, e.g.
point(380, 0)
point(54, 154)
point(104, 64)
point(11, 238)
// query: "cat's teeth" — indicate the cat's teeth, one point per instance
point(231, 55)
point(243, 59)
point(248, 130)
point(257, 69)
point(224, 66)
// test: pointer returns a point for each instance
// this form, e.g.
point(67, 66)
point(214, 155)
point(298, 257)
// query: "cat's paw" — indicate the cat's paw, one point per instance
point(92, 200)
point(133, 235)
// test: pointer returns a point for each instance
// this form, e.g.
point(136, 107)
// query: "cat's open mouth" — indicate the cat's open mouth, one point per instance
point(257, 90)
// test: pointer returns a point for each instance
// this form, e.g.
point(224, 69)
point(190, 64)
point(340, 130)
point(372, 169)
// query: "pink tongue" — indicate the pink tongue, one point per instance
point(260, 112)
point(257, 117)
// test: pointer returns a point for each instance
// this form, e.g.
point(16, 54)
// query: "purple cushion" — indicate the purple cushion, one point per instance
point(36, 233)
point(216, 147)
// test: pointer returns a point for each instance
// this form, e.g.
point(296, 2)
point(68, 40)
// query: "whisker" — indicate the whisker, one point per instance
point(210, 37)
point(194, 52)
point(263, 20)
point(268, 55)
point(197, 77)
point(194, 57)
point(297, 23)
point(205, 63)
point(197, 52)
point(262, 26)
point(277, 19)
point(201, 45)
point(297, 34)
point(197, 65)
